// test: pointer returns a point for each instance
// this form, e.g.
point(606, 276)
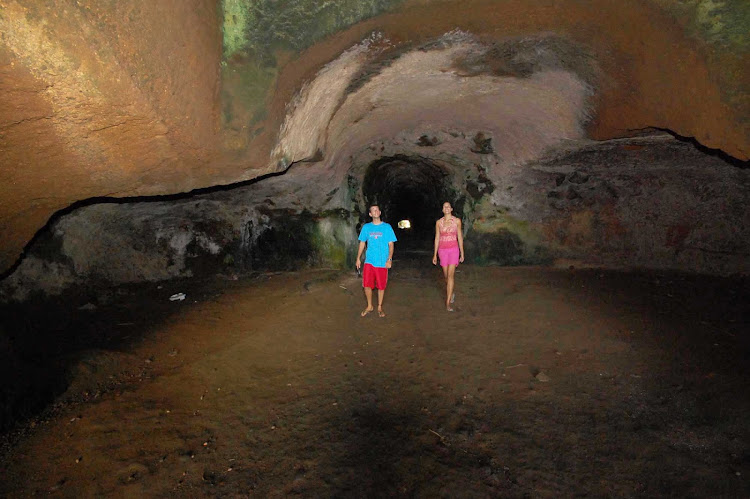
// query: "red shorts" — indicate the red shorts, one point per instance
point(374, 277)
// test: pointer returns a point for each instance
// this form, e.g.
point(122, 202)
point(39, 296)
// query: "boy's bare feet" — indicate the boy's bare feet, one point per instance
point(367, 311)
point(381, 313)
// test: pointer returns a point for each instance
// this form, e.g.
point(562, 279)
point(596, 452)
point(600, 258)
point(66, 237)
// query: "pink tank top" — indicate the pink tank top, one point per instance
point(448, 234)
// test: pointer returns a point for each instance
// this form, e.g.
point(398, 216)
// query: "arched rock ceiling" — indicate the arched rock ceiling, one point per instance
point(134, 98)
point(445, 90)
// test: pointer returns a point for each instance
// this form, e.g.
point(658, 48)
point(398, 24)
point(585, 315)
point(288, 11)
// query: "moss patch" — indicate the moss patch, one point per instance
point(237, 18)
point(290, 241)
point(719, 22)
point(244, 94)
point(504, 248)
point(256, 31)
point(334, 239)
point(498, 238)
point(260, 27)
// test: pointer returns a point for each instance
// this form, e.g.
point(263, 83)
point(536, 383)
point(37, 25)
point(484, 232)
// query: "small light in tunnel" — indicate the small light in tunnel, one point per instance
point(404, 224)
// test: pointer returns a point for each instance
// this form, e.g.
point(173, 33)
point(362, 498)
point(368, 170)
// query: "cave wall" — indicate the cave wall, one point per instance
point(651, 202)
point(122, 99)
point(652, 64)
point(102, 99)
point(260, 227)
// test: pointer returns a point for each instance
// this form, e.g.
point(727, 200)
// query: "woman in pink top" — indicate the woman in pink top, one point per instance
point(449, 245)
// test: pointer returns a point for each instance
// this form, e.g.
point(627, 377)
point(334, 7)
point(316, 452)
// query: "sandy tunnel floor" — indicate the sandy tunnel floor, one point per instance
point(543, 383)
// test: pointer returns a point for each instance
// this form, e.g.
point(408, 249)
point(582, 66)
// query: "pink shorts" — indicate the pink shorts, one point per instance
point(374, 277)
point(449, 256)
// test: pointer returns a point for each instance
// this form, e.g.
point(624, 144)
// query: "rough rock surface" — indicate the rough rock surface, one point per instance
point(120, 99)
point(650, 202)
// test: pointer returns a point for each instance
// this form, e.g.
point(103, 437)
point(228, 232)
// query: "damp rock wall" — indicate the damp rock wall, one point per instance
point(117, 99)
point(115, 243)
point(642, 203)
point(650, 203)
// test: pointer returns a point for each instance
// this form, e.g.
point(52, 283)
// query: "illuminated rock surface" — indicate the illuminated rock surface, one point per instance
point(181, 184)
point(129, 99)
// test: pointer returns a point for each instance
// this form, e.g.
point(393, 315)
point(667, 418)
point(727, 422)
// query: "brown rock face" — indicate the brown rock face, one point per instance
point(123, 98)
point(101, 101)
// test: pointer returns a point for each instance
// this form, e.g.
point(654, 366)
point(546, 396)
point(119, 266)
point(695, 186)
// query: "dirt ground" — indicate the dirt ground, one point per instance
point(543, 383)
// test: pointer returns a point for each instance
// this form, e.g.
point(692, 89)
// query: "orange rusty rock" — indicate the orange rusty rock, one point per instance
point(124, 99)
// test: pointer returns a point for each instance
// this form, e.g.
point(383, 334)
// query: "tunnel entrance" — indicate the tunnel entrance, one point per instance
point(409, 188)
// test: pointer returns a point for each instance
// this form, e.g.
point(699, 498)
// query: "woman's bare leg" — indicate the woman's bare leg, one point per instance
point(450, 272)
point(445, 275)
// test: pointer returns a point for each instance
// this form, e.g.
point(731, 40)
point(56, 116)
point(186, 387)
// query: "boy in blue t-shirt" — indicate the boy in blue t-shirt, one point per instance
point(378, 236)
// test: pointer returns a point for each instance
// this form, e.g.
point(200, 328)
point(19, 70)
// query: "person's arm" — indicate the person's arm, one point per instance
point(388, 263)
point(460, 236)
point(437, 242)
point(359, 254)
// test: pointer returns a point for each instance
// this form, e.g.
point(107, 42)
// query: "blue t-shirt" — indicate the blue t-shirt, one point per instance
point(377, 238)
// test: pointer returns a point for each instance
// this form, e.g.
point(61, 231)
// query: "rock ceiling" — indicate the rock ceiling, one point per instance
point(131, 98)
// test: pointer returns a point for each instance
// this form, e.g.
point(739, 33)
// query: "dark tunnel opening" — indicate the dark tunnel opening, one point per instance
point(413, 189)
